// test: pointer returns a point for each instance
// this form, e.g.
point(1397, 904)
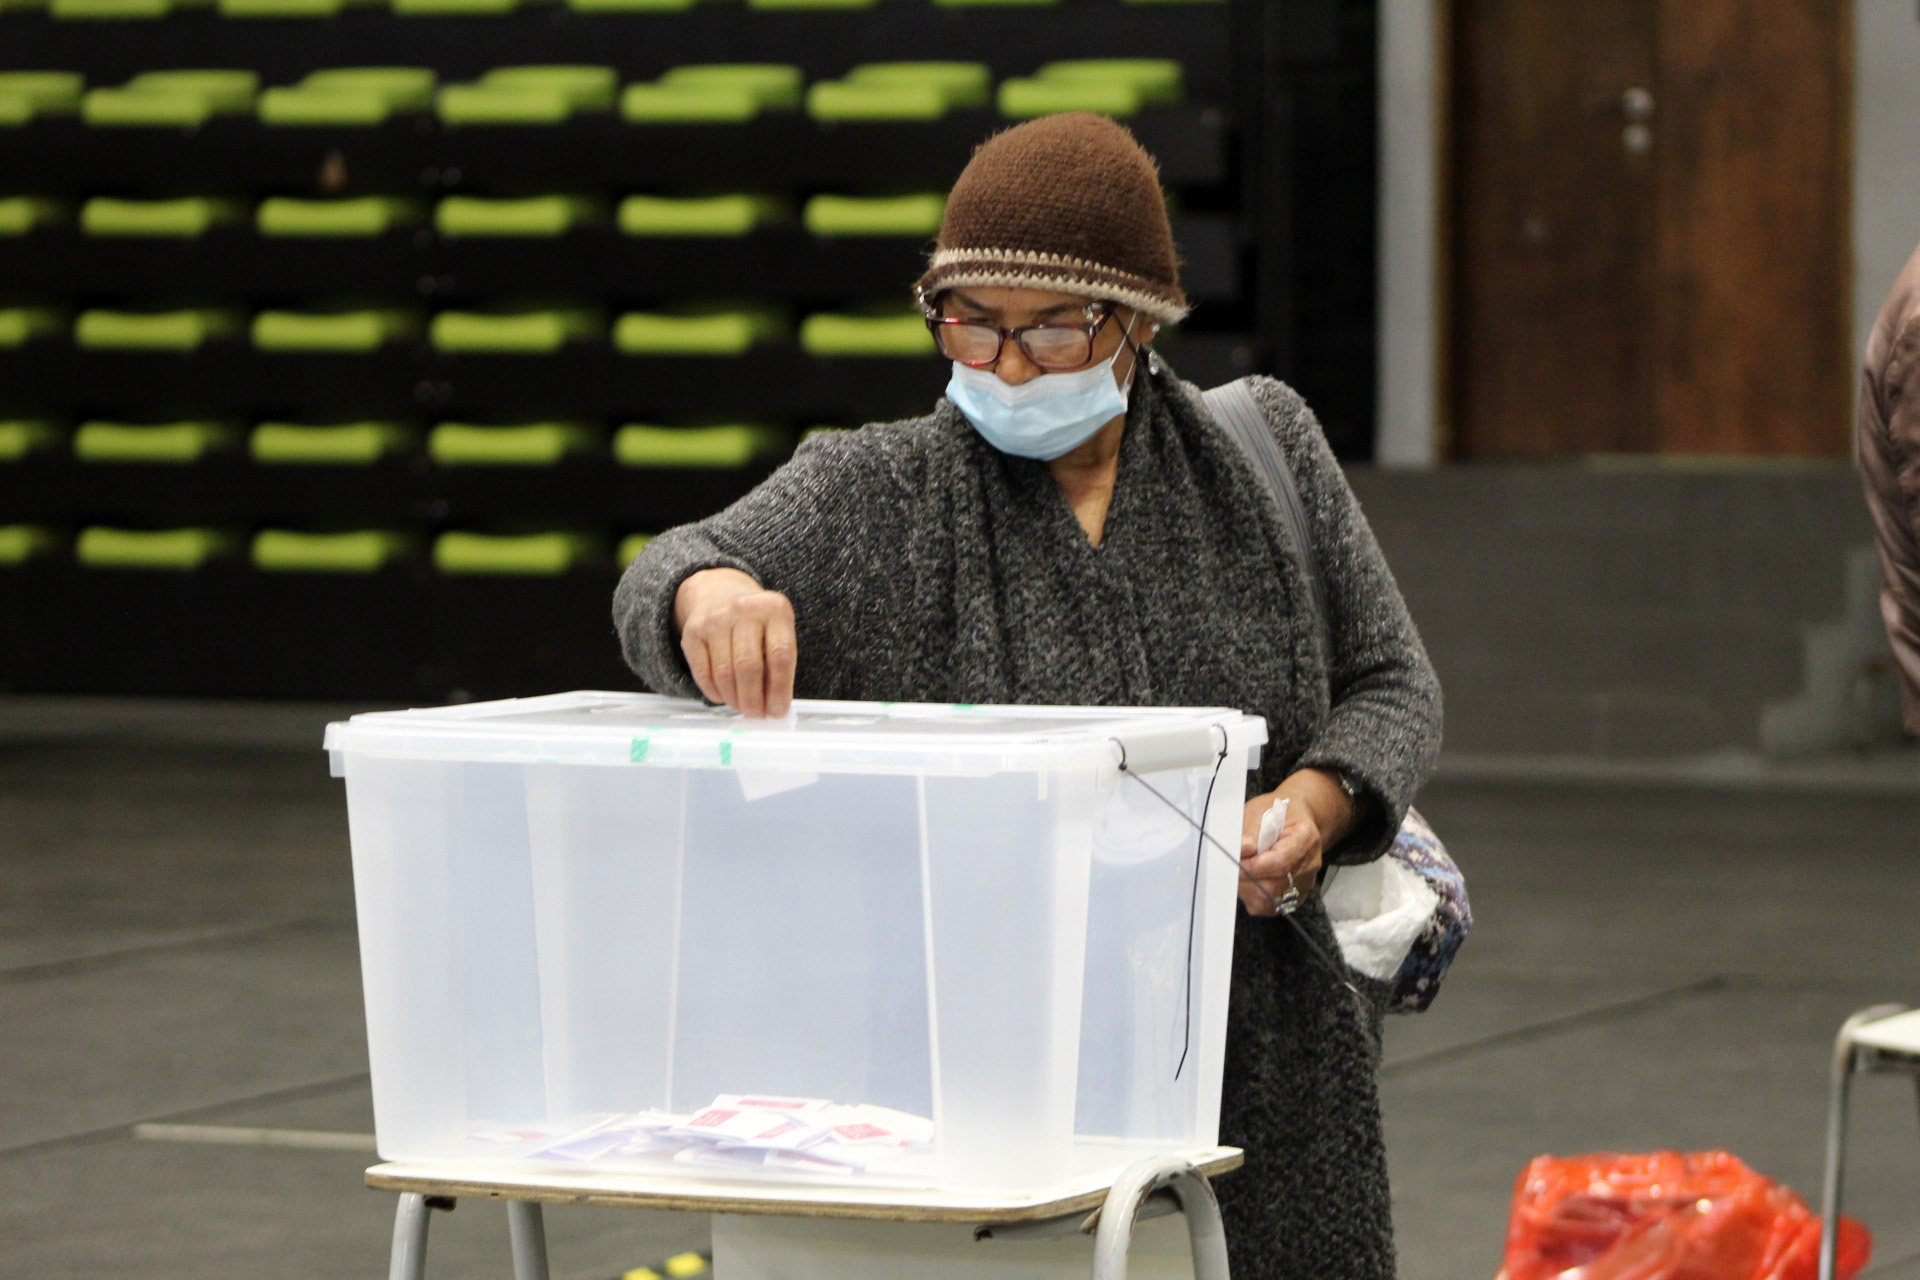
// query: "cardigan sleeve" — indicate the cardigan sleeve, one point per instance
point(807, 532)
point(1383, 723)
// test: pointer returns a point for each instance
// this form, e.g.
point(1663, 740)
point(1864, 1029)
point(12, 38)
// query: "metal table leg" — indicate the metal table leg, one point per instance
point(527, 1228)
point(1195, 1196)
point(409, 1261)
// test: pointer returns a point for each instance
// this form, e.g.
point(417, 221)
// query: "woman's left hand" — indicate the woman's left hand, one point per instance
point(1318, 815)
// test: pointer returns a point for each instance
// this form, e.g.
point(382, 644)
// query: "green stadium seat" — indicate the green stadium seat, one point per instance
point(631, 546)
point(355, 551)
point(349, 96)
point(723, 92)
point(228, 89)
point(351, 444)
point(451, 8)
point(539, 332)
point(853, 100)
point(528, 95)
point(344, 330)
point(186, 329)
point(182, 550)
point(776, 85)
point(719, 332)
point(408, 88)
point(182, 218)
point(296, 106)
point(125, 107)
point(964, 84)
point(588, 87)
point(88, 10)
point(811, 4)
point(534, 444)
point(354, 216)
point(287, 8)
point(20, 543)
point(631, 6)
point(22, 436)
point(480, 104)
point(25, 95)
point(910, 215)
point(724, 447)
point(172, 98)
point(1112, 86)
point(877, 334)
point(735, 215)
point(21, 215)
point(459, 552)
point(1158, 80)
point(1024, 99)
point(21, 325)
point(659, 103)
point(532, 216)
point(178, 443)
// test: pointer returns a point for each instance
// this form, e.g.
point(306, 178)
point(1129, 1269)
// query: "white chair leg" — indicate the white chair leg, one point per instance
point(1830, 1189)
point(409, 1260)
point(1188, 1186)
point(1840, 1087)
point(527, 1229)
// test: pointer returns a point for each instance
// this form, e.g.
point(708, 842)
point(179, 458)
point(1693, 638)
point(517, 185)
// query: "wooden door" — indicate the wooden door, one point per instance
point(1648, 227)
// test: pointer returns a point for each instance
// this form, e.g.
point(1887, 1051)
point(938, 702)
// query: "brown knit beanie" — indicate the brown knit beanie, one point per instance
point(1067, 203)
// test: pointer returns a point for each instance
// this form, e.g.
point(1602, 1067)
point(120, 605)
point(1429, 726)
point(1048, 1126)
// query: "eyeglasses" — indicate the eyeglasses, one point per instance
point(1050, 346)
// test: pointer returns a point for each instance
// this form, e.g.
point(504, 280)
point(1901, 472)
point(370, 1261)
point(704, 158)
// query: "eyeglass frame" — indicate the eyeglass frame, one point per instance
point(935, 322)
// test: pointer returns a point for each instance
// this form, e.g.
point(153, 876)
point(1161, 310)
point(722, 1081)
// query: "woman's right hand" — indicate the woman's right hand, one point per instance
point(738, 639)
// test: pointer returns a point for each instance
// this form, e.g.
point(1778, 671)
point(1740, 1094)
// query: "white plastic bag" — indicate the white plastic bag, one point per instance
point(1379, 910)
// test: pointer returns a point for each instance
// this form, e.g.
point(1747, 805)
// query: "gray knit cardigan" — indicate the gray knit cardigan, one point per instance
point(924, 565)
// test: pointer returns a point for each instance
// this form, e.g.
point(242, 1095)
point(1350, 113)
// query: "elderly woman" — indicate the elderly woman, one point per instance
point(1070, 526)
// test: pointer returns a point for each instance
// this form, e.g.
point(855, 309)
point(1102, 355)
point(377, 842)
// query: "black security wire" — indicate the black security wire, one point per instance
point(1193, 909)
point(1338, 971)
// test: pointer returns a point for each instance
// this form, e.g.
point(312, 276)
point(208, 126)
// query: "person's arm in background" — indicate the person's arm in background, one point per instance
point(1383, 727)
point(1888, 434)
point(733, 607)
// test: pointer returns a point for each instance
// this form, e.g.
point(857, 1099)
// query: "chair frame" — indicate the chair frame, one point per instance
point(1851, 1058)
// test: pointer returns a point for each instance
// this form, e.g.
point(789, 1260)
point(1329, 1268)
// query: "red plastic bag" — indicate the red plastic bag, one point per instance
point(1666, 1216)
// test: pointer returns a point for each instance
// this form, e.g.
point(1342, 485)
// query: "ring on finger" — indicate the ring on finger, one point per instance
point(1289, 900)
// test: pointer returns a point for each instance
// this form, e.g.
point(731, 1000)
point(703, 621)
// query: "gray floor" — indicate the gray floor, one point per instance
point(1654, 965)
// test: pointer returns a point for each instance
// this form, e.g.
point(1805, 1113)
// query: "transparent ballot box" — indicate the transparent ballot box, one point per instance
point(875, 943)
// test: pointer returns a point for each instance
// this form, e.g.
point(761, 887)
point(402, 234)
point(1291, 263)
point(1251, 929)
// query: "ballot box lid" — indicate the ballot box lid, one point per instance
point(609, 728)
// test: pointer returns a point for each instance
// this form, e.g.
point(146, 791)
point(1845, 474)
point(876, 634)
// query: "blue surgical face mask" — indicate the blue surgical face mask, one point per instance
point(1043, 418)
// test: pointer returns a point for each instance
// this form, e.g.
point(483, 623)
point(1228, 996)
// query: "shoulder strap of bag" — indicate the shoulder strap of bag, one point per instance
point(1240, 416)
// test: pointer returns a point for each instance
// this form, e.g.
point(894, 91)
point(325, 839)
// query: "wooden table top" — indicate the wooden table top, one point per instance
point(474, 1180)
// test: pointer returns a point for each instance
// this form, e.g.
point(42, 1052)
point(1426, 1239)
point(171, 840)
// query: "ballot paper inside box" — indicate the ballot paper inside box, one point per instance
point(930, 946)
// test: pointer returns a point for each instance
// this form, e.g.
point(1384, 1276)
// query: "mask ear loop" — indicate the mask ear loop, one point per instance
point(1126, 340)
point(1140, 350)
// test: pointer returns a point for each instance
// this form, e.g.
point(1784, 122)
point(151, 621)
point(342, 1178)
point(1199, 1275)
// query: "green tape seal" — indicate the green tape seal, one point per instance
point(637, 753)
